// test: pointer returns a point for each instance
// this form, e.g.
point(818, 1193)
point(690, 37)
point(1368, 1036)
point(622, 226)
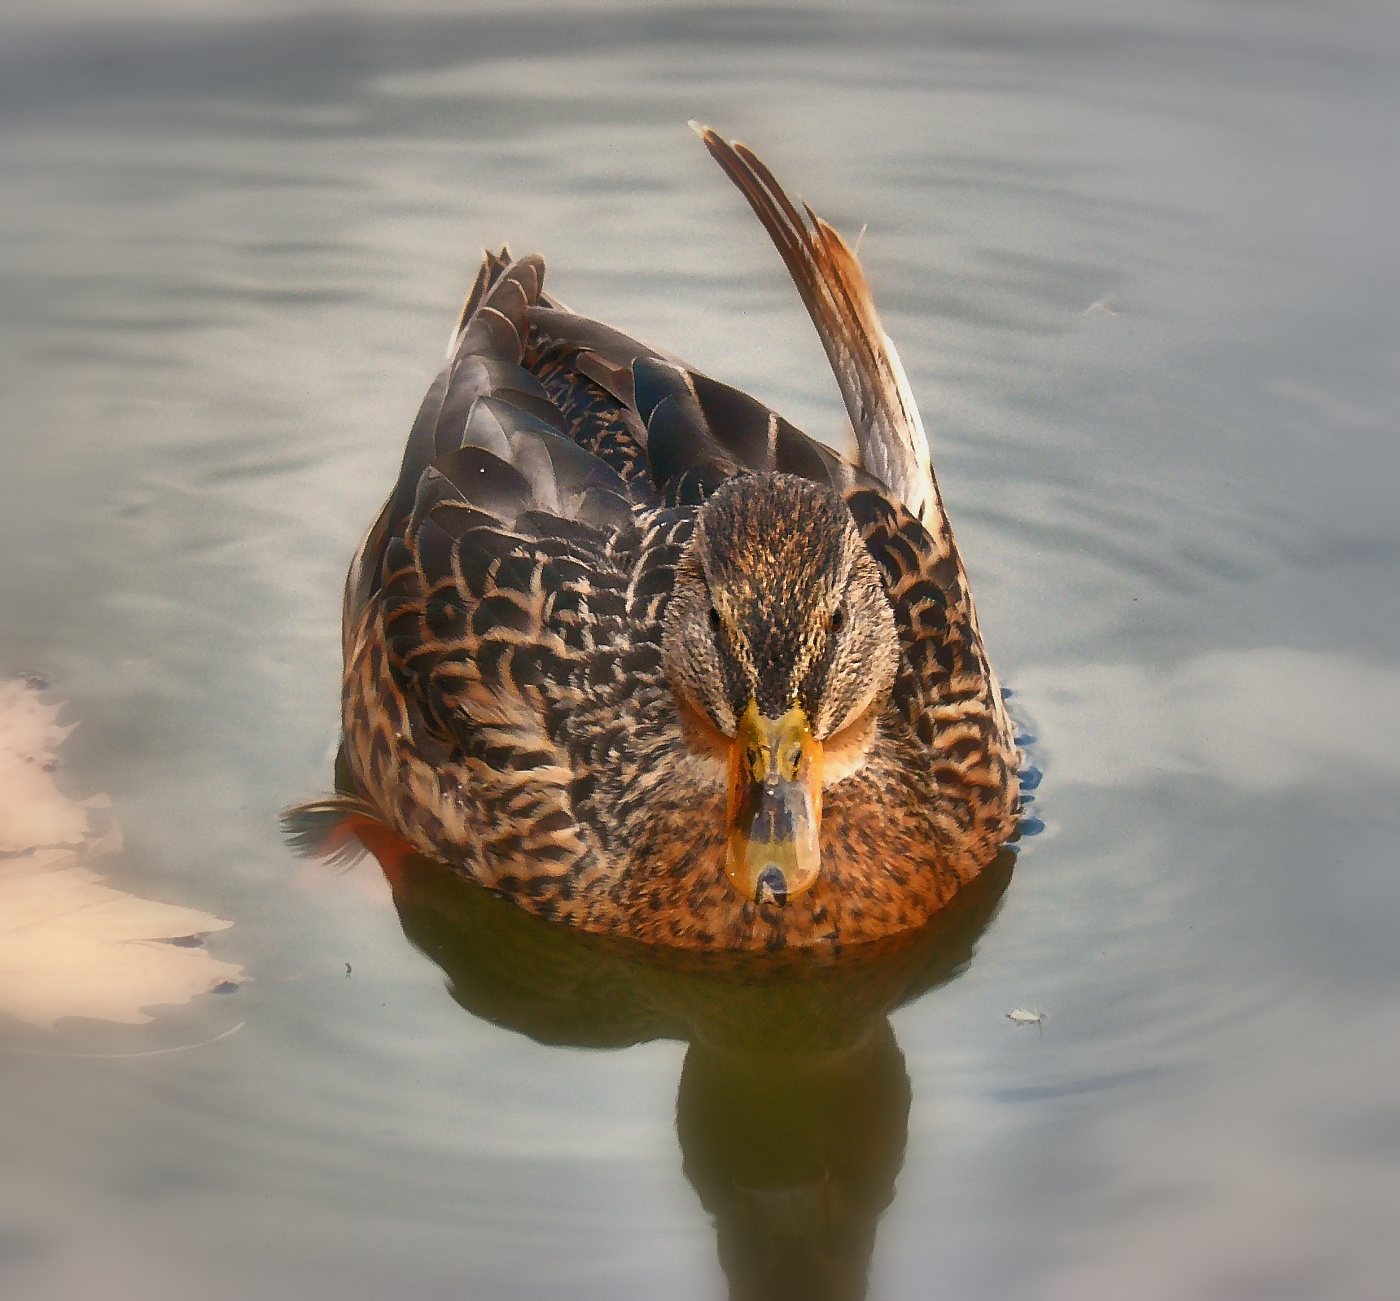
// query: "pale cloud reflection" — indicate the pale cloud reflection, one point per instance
point(1259, 721)
point(70, 944)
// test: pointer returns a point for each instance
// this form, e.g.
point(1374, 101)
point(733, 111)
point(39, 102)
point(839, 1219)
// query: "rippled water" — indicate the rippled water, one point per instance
point(1140, 262)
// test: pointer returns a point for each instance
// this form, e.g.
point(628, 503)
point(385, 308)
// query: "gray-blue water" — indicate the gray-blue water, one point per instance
point(1141, 263)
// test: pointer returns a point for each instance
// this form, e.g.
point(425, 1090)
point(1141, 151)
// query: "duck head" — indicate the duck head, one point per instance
point(781, 648)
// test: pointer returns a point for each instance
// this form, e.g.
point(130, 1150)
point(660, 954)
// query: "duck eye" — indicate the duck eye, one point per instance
point(714, 619)
point(838, 618)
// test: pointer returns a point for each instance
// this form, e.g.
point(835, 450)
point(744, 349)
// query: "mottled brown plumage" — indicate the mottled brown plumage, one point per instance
point(595, 556)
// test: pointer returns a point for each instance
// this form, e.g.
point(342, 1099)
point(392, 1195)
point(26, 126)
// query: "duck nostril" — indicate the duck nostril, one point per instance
point(771, 884)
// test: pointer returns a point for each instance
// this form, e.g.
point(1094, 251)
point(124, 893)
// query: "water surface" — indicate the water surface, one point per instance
point(1140, 263)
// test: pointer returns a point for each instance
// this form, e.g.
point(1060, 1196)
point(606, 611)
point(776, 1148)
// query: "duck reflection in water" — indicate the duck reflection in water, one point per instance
point(793, 1104)
point(795, 1156)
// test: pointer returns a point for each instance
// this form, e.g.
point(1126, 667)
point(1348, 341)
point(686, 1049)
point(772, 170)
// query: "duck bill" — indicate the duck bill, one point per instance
point(773, 846)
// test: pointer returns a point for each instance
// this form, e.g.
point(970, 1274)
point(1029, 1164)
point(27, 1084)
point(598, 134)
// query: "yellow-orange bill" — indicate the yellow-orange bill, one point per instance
point(773, 846)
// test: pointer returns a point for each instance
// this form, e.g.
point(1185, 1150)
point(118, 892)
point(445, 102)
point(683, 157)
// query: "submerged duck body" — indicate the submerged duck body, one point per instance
point(630, 649)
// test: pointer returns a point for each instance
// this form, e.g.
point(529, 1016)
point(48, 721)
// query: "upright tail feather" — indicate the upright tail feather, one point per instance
point(889, 432)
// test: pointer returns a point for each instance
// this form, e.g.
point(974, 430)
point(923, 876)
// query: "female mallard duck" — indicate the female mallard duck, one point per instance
point(630, 649)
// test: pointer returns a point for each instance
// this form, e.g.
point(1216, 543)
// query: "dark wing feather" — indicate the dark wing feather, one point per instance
point(483, 357)
point(700, 432)
point(889, 432)
point(695, 431)
point(485, 398)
